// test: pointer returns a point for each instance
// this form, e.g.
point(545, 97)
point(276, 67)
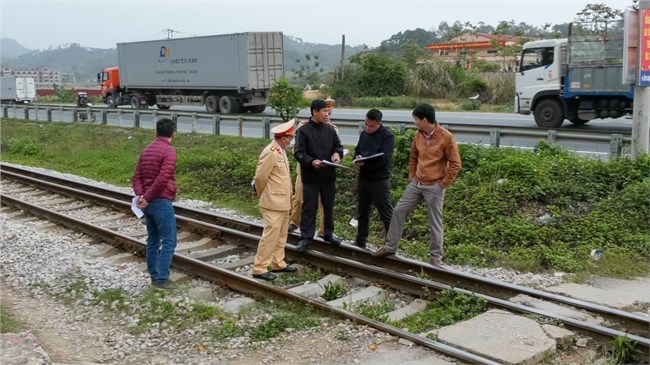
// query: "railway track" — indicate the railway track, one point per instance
point(207, 238)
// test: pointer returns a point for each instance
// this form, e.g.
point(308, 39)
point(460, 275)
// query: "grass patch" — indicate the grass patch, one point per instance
point(448, 308)
point(310, 274)
point(333, 291)
point(376, 311)
point(8, 324)
point(541, 210)
point(287, 316)
point(113, 299)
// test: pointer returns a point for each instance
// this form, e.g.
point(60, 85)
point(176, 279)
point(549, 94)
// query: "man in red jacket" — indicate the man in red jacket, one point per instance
point(154, 182)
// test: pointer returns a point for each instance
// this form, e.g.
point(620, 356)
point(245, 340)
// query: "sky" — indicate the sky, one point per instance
point(104, 23)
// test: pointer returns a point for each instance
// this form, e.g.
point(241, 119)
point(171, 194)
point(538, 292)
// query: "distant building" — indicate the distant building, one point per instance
point(483, 46)
point(43, 77)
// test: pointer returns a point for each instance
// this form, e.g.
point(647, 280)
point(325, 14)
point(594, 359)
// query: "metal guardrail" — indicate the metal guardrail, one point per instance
point(131, 117)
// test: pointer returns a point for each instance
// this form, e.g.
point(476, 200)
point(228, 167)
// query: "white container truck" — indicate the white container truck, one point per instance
point(227, 73)
point(17, 90)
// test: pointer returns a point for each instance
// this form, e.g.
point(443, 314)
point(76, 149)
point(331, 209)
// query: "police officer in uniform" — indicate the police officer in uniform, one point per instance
point(272, 184)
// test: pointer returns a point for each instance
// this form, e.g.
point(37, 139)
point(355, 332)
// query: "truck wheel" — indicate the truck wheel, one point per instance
point(135, 102)
point(257, 108)
point(110, 101)
point(163, 107)
point(212, 104)
point(548, 114)
point(228, 105)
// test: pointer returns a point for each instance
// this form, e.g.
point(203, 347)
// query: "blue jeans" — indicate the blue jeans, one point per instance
point(161, 242)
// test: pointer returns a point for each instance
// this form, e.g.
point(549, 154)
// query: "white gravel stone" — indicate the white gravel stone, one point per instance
point(46, 263)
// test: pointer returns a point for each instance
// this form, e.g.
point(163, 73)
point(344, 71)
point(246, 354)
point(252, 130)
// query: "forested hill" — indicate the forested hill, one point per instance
point(85, 62)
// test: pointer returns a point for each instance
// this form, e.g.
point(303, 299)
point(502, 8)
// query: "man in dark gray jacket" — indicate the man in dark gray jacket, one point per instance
point(317, 141)
point(374, 156)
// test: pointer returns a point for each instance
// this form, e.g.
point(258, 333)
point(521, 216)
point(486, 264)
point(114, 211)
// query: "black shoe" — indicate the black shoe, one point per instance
point(332, 240)
point(168, 285)
point(361, 244)
point(303, 244)
point(286, 269)
point(292, 227)
point(266, 276)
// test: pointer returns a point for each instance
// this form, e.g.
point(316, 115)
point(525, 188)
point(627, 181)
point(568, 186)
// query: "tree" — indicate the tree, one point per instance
point(413, 53)
point(395, 44)
point(286, 99)
point(593, 13)
point(379, 75)
point(310, 71)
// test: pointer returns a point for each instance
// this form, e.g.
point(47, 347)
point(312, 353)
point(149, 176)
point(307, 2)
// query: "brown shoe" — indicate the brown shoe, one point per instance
point(383, 251)
point(436, 261)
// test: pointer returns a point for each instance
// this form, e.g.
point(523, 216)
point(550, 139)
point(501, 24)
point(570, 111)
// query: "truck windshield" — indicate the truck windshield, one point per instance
point(535, 57)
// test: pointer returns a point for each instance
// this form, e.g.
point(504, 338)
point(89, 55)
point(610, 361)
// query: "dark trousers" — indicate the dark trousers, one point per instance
point(310, 194)
point(378, 193)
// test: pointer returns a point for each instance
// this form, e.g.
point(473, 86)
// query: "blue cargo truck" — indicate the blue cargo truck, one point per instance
point(579, 78)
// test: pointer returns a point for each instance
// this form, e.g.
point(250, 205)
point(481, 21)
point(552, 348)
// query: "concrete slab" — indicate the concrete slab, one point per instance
point(237, 264)
point(179, 277)
point(415, 306)
point(562, 336)
point(369, 294)
point(238, 304)
point(106, 251)
point(616, 293)
point(215, 253)
point(201, 293)
point(202, 244)
point(554, 308)
point(315, 290)
point(109, 218)
point(121, 258)
point(57, 201)
point(187, 236)
point(522, 340)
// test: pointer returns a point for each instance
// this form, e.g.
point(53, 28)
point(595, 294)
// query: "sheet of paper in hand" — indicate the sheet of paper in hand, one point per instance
point(368, 157)
point(328, 163)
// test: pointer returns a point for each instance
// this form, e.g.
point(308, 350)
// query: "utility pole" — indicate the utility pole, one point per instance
point(342, 56)
point(170, 33)
point(641, 115)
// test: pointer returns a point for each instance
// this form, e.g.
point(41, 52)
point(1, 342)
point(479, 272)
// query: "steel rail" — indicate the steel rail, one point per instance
point(232, 228)
point(397, 280)
point(239, 282)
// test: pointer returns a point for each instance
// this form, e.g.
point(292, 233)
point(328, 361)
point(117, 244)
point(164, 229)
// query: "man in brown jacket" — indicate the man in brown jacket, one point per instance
point(434, 164)
point(272, 184)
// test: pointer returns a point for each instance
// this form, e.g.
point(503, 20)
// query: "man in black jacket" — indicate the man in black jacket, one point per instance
point(376, 143)
point(317, 141)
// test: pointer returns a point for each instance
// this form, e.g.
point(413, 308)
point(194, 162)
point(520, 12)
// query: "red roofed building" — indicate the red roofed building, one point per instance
point(483, 46)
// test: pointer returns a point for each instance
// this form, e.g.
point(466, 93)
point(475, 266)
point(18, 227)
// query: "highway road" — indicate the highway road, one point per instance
point(349, 135)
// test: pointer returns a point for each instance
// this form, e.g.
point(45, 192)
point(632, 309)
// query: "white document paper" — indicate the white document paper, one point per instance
point(134, 207)
point(368, 157)
point(334, 164)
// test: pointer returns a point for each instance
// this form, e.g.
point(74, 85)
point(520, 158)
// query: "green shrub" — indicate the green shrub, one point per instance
point(544, 209)
point(471, 105)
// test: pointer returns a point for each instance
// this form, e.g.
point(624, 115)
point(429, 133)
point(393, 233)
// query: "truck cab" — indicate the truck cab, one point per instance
point(109, 80)
point(538, 74)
